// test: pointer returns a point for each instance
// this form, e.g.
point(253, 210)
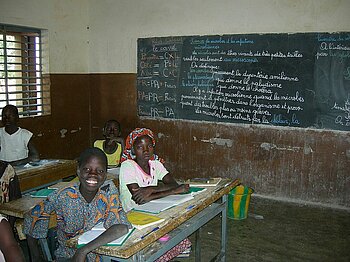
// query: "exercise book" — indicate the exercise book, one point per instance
point(142, 220)
point(97, 230)
point(42, 192)
point(158, 205)
point(194, 190)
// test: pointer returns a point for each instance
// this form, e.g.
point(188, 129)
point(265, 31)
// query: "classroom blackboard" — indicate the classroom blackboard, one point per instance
point(297, 80)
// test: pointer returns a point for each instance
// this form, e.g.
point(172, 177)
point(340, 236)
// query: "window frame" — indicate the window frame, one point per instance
point(25, 84)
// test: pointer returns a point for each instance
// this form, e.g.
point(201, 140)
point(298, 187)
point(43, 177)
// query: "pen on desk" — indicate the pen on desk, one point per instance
point(154, 229)
point(190, 207)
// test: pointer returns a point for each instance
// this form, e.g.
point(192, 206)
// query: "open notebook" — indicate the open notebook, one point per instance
point(42, 192)
point(98, 230)
point(141, 220)
point(158, 205)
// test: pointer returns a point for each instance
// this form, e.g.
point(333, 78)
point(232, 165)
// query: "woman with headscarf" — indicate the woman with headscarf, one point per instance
point(140, 171)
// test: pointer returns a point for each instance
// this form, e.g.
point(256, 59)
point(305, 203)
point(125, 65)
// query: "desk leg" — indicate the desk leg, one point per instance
point(45, 247)
point(198, 245)
point(224, 229)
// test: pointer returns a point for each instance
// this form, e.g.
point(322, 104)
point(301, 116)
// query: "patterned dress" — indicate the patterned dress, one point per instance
point(75, 215)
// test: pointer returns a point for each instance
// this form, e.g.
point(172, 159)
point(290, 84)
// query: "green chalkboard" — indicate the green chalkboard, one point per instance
point(297, 80)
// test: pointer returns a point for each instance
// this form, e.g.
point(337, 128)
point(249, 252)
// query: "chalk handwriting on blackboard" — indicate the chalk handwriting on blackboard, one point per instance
point(300, 80)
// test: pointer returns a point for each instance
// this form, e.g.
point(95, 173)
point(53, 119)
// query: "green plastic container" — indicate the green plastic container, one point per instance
point(238, 202)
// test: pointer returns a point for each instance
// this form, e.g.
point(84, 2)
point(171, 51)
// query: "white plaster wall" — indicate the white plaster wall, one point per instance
point(116, 25)
point(66, 22)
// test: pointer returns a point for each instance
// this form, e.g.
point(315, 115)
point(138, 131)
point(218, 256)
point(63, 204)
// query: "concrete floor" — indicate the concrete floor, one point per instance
point(280, 231)
point(287, 232)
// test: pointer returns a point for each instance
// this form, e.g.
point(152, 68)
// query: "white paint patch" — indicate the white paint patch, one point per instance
point(307, 150)
point(75, 130)
point(219, 141)
point(348, 153)
point(40, 134)
point(63, 132)
point(194, 138)
point(269, 146)
point(160, 135)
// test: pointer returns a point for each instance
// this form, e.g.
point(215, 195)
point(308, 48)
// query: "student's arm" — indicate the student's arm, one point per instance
point(8, 245)
point(119, 140)
point(143, 195)
point(33, 154)
point(36, 224)
point(112, 233)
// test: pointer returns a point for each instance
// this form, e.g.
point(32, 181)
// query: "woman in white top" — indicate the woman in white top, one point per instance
point(9, 248)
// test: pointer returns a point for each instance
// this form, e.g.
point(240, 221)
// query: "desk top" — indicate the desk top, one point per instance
point(46, 171)
point(19, 207)
point(43, 165)
point(173, 218)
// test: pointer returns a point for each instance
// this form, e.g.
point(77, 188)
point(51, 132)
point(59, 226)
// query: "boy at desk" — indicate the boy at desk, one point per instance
point(113, 144)
point(139, 174)
point(79, 207)
point(16, 146)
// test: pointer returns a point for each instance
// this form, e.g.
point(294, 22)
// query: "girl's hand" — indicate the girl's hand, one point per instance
point(183, 188)
point(142, 195)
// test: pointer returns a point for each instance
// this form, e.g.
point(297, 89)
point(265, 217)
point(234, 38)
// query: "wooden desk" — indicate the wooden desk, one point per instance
point(19, 207)
point(179, 223)
point(48, 172)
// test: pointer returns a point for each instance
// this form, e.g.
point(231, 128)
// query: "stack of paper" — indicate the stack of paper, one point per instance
point(200, 181)
point(97, 230)
point(158, 205)
point(141, 220)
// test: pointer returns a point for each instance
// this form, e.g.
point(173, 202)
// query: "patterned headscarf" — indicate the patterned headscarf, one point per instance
point(138, 132)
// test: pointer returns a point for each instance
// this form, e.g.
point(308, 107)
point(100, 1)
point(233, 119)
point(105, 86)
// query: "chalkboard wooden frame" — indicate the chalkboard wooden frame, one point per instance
point(297, 80)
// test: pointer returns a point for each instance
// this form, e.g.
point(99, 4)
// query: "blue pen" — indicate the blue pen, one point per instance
point(190, 207)
point(154, 229)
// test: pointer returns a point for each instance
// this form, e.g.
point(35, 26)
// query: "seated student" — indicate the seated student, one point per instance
point(79, 207)
point(113, 144)
point(139, 174)
point(9, 248)
point(9, 189)
point(16, 146)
